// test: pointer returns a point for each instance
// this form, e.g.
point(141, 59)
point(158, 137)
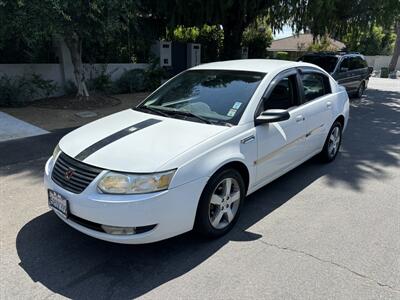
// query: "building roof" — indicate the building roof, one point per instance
point(300, 43)
point(255, 65)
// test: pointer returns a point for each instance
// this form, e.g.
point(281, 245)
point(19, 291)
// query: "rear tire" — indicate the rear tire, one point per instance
point(220, 204)
point(360, 90)
point(332, 143)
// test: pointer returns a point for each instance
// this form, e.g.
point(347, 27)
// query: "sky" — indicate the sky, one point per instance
point(286, 31)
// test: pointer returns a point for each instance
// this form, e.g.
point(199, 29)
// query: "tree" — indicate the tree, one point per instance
point(233, 15)
point(375, 41)
point(257, 37)
point(337, 17)
point(72, 20)
point(396, 51)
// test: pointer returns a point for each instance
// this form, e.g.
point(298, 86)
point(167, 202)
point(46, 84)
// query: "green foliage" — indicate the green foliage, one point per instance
point(20, 90)
point(257, 37)
point(282, 55)
point(153, 75)
point(376, 41)
point(70, 88)
point(322, 44)
point(140, 80)
point(211, 39)
point(100, 81)
point(131, 81)
point(384, 72)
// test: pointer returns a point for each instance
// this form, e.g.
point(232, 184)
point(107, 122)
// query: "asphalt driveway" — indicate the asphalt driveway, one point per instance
point(319, 232)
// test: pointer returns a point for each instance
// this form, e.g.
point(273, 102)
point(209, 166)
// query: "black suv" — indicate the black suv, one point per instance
point(349, 69)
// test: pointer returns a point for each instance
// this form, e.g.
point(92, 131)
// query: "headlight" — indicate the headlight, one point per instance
point(56, 151)
point(119, 183)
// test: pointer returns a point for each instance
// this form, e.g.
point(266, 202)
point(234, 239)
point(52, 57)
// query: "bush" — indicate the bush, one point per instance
point(131, 81)
point(139, 80)
point(100, 81)
point(384, 72)
point(282, 55)
point(20, 90)
point(153, 75)
point(70, 88)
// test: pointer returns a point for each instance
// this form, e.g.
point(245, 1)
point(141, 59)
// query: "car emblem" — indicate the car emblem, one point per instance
point(68, 174)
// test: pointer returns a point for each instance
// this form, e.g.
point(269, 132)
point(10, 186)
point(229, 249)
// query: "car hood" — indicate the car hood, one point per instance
point(132, 141)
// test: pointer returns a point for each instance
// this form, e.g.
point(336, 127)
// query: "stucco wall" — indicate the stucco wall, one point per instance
point(380, 61)
point(60, 75)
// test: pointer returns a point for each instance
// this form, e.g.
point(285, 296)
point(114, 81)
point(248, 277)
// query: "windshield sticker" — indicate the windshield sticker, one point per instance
point(231, 112)
point(237, 105)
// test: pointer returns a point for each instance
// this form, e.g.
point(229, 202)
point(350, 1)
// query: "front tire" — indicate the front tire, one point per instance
point(332, 143)
point(220, 204)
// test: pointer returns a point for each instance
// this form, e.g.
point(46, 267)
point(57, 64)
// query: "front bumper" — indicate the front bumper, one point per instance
point(172, 211)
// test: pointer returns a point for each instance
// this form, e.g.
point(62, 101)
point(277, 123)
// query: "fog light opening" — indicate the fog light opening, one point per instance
point(116, 230)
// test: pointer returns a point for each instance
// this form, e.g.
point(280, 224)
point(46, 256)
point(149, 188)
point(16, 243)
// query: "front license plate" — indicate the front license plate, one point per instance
point(58, 202)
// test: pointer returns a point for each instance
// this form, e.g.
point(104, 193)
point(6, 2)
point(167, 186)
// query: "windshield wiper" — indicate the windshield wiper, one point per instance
point(168, 113)
point(190, 114)
point(154, 110)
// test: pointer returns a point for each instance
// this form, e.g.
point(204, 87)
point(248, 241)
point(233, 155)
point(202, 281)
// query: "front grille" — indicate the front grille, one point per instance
point(81, 175)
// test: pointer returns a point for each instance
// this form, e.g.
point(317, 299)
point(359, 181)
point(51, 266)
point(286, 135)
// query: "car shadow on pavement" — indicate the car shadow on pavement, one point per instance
point(77, 266)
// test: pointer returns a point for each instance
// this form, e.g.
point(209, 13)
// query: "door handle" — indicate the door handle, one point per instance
point(300, 119)
point(329, 104)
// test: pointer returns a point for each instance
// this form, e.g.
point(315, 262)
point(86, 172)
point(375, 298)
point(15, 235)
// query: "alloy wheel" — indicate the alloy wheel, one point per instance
point(224, 203)
point(334, 141)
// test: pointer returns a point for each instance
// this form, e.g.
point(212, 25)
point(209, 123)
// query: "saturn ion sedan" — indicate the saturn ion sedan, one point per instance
point(188, 155)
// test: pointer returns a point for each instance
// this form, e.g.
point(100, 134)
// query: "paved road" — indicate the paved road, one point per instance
point(319, 232)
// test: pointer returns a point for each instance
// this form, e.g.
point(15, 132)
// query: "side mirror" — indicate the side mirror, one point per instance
point(272, 115)
point(344, 69)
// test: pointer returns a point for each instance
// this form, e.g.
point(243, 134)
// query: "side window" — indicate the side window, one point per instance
point(345, 65)
point(364, 63)
point(355, 63)
point(284, 94)
point(315, 85)
point(361, 63)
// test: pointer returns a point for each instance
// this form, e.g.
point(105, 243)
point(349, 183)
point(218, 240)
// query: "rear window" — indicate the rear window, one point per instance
point(328, 63)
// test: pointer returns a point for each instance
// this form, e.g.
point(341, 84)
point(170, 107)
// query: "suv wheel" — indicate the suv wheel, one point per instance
point(360, 90)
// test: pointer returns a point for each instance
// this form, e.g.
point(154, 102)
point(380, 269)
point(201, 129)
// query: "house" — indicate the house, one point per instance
point(297, 45)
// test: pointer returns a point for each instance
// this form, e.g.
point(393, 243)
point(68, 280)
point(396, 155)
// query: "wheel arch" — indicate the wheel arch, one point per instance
point(238, 166)
point(341, 120)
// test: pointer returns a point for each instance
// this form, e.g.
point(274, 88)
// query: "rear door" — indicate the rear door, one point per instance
point(317, 101)
point(345, 75)
point(360, 69)
point(280, 145)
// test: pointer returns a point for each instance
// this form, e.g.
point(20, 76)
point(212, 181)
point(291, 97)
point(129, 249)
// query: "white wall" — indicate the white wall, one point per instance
point(380, 61)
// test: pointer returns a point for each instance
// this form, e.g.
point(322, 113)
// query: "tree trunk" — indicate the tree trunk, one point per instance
point(74, 44)
point(396, 51)
point(232, 41)
point(233, 26)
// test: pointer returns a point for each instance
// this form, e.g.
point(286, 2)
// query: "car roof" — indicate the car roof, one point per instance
point(252, 65)
point(334, 54)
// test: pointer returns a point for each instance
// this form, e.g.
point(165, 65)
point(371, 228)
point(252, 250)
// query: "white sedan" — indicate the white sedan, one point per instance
point(186, 157)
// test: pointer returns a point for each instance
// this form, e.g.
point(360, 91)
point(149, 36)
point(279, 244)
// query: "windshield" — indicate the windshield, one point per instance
point(328, 63)
point(210, 96)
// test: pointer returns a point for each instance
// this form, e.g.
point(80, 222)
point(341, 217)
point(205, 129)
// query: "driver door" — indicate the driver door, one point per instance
point(281, 145)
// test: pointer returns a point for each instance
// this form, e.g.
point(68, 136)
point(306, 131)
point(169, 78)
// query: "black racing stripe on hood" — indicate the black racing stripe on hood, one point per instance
point(114, 137)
